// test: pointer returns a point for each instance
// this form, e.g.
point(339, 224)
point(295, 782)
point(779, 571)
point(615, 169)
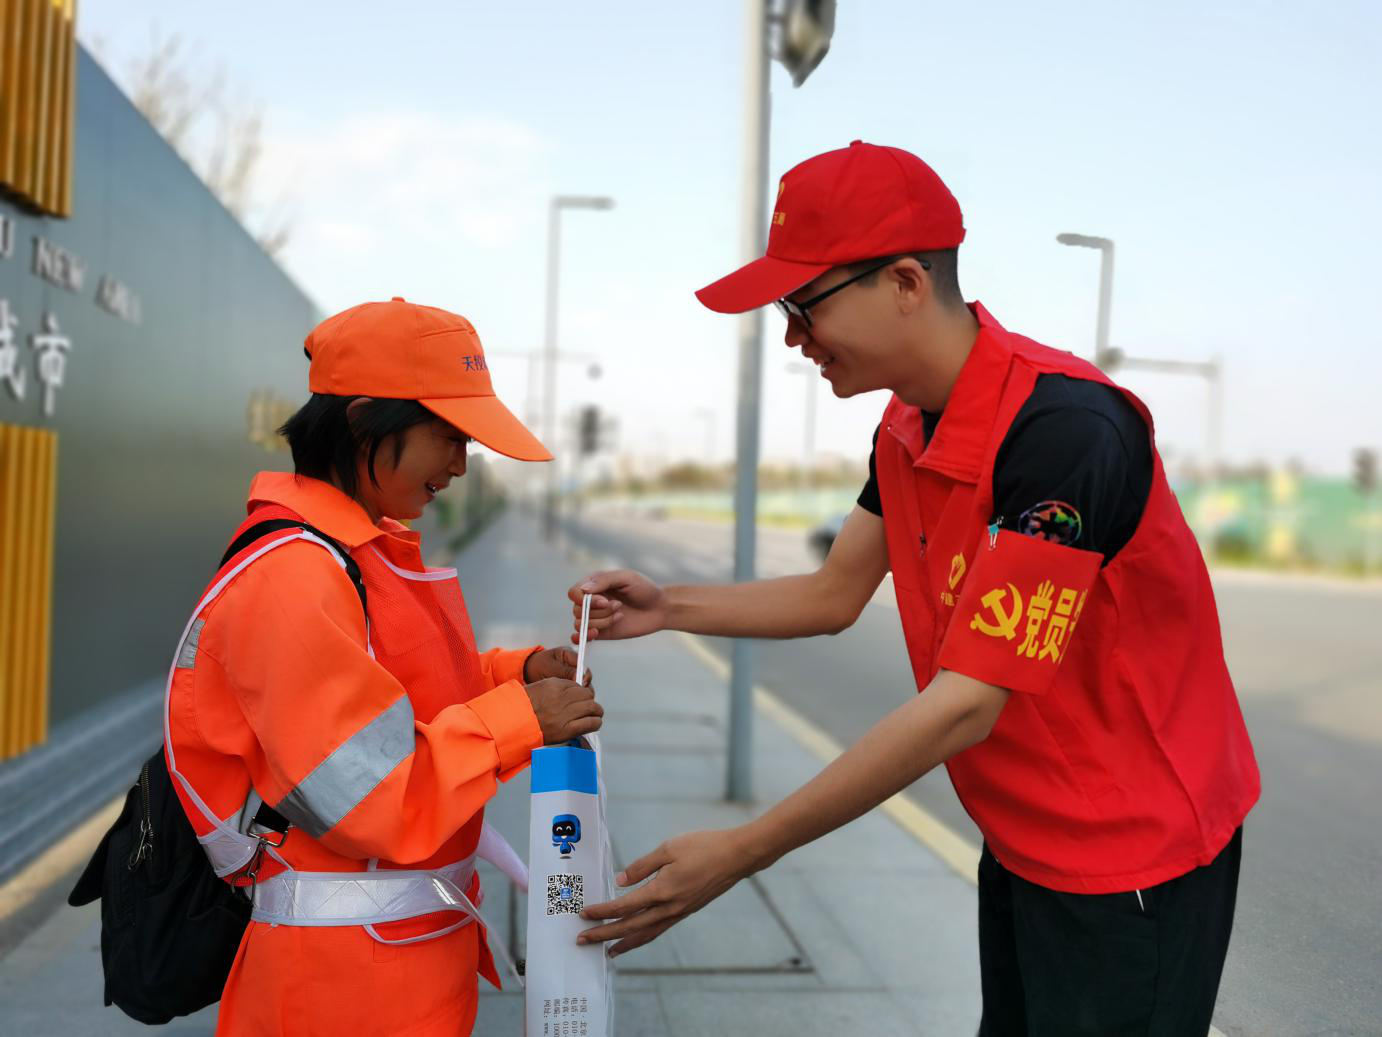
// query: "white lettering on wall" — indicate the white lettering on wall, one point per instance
point(52, 349)
point(56, 265)
point(115, 297)
point(11, 372)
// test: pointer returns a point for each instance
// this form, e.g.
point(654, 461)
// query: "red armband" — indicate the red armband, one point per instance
point(1017, 613)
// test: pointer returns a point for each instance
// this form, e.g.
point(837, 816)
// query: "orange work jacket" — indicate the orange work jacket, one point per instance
point(380, 746)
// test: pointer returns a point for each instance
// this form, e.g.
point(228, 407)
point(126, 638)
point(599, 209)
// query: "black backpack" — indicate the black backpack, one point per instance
point(170, 928)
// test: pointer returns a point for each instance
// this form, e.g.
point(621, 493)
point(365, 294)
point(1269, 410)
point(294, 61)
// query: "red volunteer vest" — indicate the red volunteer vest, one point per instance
point(1121, 759)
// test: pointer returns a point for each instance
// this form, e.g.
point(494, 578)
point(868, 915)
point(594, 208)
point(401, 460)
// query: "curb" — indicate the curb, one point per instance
point(67, 854)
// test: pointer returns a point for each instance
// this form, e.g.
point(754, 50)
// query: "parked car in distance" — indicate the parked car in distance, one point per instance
point(821, 538)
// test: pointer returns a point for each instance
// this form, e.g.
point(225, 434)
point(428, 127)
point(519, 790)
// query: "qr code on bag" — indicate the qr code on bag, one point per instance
point(565, 894)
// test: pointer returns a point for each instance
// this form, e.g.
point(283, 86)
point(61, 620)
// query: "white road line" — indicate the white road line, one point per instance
point(1370, 587)
point(957, 852)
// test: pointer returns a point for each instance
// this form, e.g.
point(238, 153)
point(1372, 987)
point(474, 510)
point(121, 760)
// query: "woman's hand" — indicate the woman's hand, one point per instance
point(625, 604)
point(552, 662)
point(564, 709)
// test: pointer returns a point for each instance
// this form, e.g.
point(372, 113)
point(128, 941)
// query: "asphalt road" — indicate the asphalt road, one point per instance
point(1306, 656)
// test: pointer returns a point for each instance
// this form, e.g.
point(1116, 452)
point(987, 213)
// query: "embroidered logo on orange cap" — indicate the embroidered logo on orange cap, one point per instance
point(404, 351)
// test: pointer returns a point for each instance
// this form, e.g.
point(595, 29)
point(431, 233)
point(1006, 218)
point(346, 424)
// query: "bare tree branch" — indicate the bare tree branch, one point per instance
point(217, 131)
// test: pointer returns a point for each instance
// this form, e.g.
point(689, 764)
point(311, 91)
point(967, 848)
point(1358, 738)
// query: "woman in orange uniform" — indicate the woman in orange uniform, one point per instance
point(377, 733)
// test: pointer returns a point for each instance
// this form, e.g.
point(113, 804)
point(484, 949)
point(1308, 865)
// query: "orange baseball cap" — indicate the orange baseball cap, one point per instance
point(399, 350)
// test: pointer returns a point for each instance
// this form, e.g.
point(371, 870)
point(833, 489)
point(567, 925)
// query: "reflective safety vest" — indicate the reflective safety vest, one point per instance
point(1121, 759)
point(380, 741)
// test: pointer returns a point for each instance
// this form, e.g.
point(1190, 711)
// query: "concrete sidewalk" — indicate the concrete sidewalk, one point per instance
point(864, 931)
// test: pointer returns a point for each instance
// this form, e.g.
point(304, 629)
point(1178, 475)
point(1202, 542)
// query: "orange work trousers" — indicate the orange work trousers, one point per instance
point(301, 980)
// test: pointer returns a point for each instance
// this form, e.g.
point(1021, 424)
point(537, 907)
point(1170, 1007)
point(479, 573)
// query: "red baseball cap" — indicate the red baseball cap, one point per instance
point(860, 202)
point(399, 350)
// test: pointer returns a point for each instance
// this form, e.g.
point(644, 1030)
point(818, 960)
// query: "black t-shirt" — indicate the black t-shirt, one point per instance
point(1075, 466)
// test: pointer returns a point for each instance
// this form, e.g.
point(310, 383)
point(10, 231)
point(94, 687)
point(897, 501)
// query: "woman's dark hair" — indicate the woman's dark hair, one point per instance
point(326, 441)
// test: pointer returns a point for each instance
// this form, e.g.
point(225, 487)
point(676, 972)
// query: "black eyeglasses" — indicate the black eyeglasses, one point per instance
point(801, 310)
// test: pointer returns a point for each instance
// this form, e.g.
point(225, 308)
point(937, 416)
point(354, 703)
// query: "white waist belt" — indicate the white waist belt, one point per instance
point(368, 898)
point(319, 898)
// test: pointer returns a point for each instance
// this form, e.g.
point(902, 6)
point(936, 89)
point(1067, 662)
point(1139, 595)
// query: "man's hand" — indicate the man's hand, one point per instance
point(625, 604)
point(956, 712)
point(552, 662)
point(689, 872)
point(565, 709)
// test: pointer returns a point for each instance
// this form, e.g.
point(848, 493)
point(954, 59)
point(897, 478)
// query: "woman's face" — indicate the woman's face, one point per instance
point(431, 455)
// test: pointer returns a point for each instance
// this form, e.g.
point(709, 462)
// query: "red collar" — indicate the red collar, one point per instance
point(958, 446)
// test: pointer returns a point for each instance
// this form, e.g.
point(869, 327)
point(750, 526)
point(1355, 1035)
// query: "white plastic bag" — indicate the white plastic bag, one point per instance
point(569, 989)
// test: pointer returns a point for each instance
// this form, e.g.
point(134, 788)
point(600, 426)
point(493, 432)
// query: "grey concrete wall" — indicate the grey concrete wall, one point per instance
point(154, 455)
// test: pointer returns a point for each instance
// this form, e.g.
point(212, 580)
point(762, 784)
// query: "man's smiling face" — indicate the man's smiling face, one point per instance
point(852, 334)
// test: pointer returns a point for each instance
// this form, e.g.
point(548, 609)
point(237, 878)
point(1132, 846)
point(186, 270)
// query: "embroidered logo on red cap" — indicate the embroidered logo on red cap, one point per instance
point(860, 202)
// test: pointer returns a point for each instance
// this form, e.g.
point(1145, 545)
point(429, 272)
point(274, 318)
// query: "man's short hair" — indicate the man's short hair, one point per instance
point(941, 264)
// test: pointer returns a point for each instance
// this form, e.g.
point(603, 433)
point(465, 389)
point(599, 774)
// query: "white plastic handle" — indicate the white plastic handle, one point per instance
point(585, 635)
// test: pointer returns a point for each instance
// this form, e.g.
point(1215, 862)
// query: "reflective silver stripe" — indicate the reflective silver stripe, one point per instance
point(352, 772)
point(229, 845)
point(187, 651)
point(227, 849)
point(361, 897)
point(372, 897)
point(211, 595)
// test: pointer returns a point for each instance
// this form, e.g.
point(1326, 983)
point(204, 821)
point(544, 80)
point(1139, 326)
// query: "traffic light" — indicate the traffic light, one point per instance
point(588, 430)
point(807, 26)
point(1365, 470)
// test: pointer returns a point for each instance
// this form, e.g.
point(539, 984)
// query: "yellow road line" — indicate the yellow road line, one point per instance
point(60, 858)
point(957, 852)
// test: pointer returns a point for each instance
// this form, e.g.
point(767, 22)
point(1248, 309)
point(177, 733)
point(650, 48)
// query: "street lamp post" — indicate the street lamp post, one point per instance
point(1109, 357)
point(805, 29)
point(532, 414)
point(559, 203)
point(1103, 355)
point(753, 241)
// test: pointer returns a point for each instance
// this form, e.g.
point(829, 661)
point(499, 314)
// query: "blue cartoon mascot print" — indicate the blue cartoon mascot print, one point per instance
point(566, 833)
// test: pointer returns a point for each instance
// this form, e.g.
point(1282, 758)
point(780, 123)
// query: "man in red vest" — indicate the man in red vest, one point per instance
point(1057, 611)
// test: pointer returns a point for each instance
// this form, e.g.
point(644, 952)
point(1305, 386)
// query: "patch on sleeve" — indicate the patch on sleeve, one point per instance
point(1017, 614)
point(1052, 520)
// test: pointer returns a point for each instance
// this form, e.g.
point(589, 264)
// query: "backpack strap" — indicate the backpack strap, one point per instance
point(267, 817)
point(263, 529)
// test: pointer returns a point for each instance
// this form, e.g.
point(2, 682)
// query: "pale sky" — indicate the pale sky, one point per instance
point(1229, 148)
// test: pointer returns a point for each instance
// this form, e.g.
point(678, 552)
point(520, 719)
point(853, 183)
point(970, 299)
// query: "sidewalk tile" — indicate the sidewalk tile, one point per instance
point(788, 1014)
point(882, 931)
